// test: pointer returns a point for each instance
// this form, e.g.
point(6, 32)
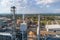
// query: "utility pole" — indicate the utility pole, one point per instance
point(38, 28)
point(14, 20)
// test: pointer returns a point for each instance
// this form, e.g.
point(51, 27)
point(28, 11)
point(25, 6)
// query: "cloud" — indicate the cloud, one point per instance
point(46, 3)
point(56, 11)
point(20, 2)
point(6, 2)
point(5, 6)
point(29, 6)
point(21, 6)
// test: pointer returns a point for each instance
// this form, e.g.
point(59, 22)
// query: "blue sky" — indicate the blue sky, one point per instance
point(30, 6)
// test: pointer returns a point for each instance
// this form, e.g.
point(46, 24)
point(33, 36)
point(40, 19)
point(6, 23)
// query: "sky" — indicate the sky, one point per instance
point(30, 6)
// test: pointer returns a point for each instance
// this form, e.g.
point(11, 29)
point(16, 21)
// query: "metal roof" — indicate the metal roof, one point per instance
point(5, 34)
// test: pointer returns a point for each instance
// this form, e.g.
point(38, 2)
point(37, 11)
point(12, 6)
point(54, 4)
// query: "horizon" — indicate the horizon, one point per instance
point(30, 13)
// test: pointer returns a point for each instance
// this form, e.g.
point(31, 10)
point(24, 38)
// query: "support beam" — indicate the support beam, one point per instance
point(38, 28)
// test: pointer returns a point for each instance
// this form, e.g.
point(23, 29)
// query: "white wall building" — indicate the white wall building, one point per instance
point(55, 27)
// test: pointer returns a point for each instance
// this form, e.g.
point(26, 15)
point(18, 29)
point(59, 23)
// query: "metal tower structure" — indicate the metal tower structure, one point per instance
point(14, 21)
